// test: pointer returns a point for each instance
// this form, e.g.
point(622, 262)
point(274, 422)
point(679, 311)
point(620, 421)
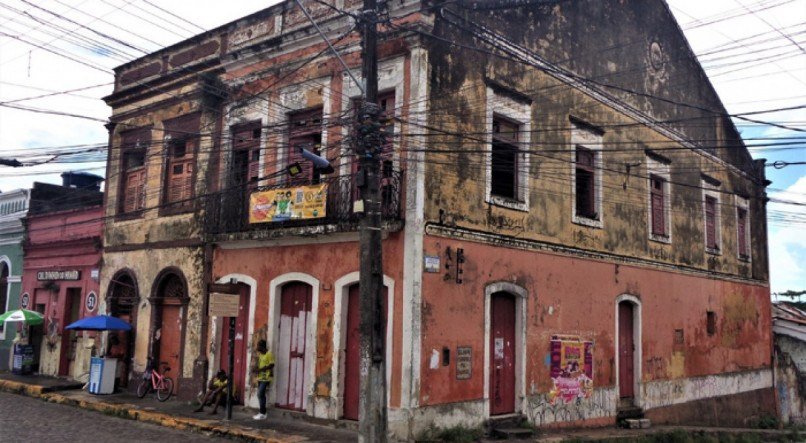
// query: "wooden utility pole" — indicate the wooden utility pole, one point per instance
point(372, 408)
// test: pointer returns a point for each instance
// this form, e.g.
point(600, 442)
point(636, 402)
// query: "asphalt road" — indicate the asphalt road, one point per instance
point(24, 419)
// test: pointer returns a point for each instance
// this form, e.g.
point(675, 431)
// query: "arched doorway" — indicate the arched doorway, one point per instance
point(168, 320)
point(291, 380)
point(352, 350)
point(122, 300)
point(503, 351)
point(505, 306)
point(628, 345)
point(240, 367)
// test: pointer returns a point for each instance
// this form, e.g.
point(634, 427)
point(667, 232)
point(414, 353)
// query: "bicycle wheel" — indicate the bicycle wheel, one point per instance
point(165, 389)
point(143, 387)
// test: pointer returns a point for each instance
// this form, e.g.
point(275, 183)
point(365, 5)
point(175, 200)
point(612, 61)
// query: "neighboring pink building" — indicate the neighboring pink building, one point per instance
point(62, 259)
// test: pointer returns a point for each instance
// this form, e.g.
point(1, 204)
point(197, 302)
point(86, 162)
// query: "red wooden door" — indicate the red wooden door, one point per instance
point(352, 351)
point(170, 335)
point(502, 353)
point(295, 311)
point(626, 345)
point(241, 332)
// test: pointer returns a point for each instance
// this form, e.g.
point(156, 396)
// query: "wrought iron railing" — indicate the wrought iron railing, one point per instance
point(227, 212)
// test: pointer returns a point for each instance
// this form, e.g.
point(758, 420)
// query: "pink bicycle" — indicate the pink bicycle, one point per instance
point(152, 379)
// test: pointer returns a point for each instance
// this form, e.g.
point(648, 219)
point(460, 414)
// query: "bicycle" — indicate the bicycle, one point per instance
point(152, 379)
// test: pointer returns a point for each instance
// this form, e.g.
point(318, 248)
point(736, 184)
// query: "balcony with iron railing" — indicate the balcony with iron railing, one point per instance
point(267, 212)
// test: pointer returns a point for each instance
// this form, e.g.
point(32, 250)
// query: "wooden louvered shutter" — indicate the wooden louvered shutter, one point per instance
point(657, 203)
point(710, 222)
point(180, 181)
point(742, 228)
point(134, 190)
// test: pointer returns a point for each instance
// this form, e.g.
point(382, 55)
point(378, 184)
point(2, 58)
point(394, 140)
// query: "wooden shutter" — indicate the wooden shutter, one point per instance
point(710, 222)
point(180, 176)
point(742, 228)
point(657, 203)
point(134, 190)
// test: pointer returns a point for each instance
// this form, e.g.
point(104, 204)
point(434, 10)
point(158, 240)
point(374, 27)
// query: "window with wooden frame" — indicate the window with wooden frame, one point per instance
point(181, 141)
point(743, 228)
point(245, 163)
point(711, 241)
point(134, 146)
point(305, 131)
point(657, 204)
point(586, 183)
point(386, 100)
point(504, 159)
point(179, 182)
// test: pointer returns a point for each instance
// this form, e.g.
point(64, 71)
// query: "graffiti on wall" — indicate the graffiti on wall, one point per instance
point(571, 369)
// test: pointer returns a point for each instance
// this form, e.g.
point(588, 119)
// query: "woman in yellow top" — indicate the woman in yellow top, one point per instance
point(265, 372)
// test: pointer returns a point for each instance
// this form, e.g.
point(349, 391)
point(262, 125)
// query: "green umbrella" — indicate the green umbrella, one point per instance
point(23, 315)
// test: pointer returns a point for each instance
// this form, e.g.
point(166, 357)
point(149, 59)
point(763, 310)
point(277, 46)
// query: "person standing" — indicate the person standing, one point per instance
point(265, 375)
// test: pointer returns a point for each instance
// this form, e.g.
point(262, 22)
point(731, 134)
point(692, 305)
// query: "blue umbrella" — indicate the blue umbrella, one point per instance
point(100, 323)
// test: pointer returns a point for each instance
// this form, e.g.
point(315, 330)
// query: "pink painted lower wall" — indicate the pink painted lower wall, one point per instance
point(327, 262)
point(578, 297)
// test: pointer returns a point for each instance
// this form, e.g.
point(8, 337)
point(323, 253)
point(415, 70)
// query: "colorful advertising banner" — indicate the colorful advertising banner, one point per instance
point(571, 369)
point(299, 203)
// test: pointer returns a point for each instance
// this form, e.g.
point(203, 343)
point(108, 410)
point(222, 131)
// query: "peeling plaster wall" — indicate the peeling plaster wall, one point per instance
point(618, 38)
point(790, 379)
point(735, 359)
point(145, 266)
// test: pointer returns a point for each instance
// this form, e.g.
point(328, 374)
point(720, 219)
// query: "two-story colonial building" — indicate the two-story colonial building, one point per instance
point(573, 228)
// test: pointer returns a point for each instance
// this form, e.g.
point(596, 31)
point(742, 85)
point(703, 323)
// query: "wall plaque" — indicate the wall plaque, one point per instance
point(464, 359)
point(224, 305)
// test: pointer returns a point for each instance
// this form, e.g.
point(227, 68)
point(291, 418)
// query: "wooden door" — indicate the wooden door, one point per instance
point(352, 351)
point(170, 336)
point(291, 379)
point(626, 350)
point(241, 334)
point(502, 354)
point(72, 309)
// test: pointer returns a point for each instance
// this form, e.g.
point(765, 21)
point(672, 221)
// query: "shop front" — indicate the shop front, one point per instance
point(60, 280)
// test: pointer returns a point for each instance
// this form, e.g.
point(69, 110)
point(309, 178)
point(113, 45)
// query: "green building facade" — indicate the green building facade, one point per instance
point(13, 207)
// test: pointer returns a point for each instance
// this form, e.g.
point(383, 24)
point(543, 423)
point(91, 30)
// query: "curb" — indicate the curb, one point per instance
point(131, 413)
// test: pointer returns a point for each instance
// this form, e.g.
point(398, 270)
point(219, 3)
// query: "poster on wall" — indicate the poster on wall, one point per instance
point(571, 369)
point(298, 203)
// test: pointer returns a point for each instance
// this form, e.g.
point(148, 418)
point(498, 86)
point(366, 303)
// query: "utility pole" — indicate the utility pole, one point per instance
point(372, 408)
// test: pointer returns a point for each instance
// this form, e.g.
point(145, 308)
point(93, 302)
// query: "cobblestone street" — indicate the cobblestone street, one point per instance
point(24, 419)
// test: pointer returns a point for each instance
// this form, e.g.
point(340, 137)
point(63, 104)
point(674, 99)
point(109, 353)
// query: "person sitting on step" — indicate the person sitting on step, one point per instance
point(216, 390)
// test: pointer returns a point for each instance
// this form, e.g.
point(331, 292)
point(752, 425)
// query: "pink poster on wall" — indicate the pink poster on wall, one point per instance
point(571, 369)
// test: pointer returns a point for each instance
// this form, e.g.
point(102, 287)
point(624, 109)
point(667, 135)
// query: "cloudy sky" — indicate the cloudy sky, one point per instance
point(754, 51)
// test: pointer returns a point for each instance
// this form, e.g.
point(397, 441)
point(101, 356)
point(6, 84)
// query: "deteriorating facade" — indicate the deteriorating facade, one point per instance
point(573, 228)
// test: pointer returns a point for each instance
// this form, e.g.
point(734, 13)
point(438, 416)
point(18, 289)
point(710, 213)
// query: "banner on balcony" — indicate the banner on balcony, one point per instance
point(298, 203)
point(571, 369)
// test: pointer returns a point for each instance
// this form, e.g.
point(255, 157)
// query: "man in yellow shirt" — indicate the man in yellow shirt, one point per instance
point(265, 375)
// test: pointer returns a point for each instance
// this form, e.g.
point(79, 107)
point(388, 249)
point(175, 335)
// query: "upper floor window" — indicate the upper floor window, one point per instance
point(305, 131)
point(711, 240)
point(586, 184)
point(508, 117)
point(181, 142)
point(134, 146)
point(658, 204)
point(504, 165)
point(587, 176)
point(742, 228)
point(179, 182)
point(659, 198)
point(245, 163)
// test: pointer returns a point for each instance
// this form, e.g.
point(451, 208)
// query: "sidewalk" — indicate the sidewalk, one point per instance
point(279, 427)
